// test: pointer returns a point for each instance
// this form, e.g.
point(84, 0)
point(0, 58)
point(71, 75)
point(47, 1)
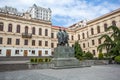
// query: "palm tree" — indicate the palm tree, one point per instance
point(111, 43)
point(108, 43)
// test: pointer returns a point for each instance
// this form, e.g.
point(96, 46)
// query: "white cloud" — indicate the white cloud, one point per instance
point(68, 11)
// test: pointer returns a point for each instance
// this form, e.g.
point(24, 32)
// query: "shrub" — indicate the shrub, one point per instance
point(40, 60)
point(35, 60)
point(117, 59)
point(46, 59)
point(88, 55)
point(100, 56)
point(32, 60)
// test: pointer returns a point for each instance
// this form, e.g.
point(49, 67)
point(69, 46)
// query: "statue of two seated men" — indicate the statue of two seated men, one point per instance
point(62, 37)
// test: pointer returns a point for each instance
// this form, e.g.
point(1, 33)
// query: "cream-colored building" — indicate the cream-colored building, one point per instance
point(25, 36)
point(88, 35)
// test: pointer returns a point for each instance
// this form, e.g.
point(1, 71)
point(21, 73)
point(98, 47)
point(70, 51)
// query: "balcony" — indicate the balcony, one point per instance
point(26, 35)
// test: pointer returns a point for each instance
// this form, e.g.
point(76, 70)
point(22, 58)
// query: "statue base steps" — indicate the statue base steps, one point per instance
point(61, 63)
point(64, 58)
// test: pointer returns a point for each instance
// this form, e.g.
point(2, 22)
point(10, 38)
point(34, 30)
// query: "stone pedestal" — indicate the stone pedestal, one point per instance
point(64, 58)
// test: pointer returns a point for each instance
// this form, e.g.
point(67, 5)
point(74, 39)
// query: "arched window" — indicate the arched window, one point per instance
point(18, 29)
point(10, 28)
point(40, 31)
point(83, 35)
point(92, 31)
point(105, 27)
point(46, 32)
point(1, 26)
point(113, 23)
point(33, 30)
point(98, 29)
point(78, 36)
point(26, 29)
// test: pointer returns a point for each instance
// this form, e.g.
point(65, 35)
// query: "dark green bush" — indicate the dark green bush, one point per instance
point(40, 60)
point(88, 55)
point(36, 60)
point(117, 59)
point(32, 60)
point(100, 56)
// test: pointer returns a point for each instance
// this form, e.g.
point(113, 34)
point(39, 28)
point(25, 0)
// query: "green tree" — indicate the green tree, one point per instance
point(78, 50)
point(116, 38)
point(111, 43)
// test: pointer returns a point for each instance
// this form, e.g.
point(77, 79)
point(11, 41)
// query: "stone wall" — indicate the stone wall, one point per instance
point(12, 67)
point(25, 66)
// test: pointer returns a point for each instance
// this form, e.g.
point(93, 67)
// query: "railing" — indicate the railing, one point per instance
point(26, 35)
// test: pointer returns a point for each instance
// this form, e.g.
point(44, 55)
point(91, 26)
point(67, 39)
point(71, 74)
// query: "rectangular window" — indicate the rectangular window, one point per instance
point(93, 52)
point(9, 41)
point(72, 37)
point(1, 40)
point(17, 41)
point(1, 26)
point(83, 45)
point(40, 43)
point(33, 42)
point(0, 51)
point(16, 51)
point(46, 43)
point(52, 45)
point(33, 51)
point(93, 43)
point(46, 52)
point(88, 44)
point(52, 35)
point(26, 42)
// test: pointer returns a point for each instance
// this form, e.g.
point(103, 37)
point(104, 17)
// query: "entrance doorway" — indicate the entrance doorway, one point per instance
point(25, 53)
point(40, 53)
point(8, 53)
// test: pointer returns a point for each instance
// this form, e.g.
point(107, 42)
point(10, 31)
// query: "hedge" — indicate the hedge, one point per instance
point(40, 60)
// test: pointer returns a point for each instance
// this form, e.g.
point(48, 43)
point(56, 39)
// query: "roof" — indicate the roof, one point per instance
point(105, 15)
point(57, 27)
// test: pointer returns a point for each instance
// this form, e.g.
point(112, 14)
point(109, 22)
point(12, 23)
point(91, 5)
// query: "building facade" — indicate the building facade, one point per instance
point(22, 35)
point(88, 36)
point(38, 12)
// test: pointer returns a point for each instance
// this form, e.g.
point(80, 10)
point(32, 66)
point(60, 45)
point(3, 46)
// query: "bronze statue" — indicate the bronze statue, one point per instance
point(62, 37)
point(65, 37)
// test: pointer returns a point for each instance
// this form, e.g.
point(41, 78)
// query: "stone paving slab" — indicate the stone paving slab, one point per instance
point(104, 72)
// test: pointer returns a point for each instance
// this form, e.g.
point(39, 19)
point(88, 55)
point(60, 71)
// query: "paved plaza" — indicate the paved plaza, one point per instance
point(102, 72)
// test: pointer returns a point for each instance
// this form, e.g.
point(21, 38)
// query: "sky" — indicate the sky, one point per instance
point(67, 12)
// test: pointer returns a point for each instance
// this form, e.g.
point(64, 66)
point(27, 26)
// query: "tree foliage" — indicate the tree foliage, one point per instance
point(111, 42)
point(100, 56)
point(78, 50)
